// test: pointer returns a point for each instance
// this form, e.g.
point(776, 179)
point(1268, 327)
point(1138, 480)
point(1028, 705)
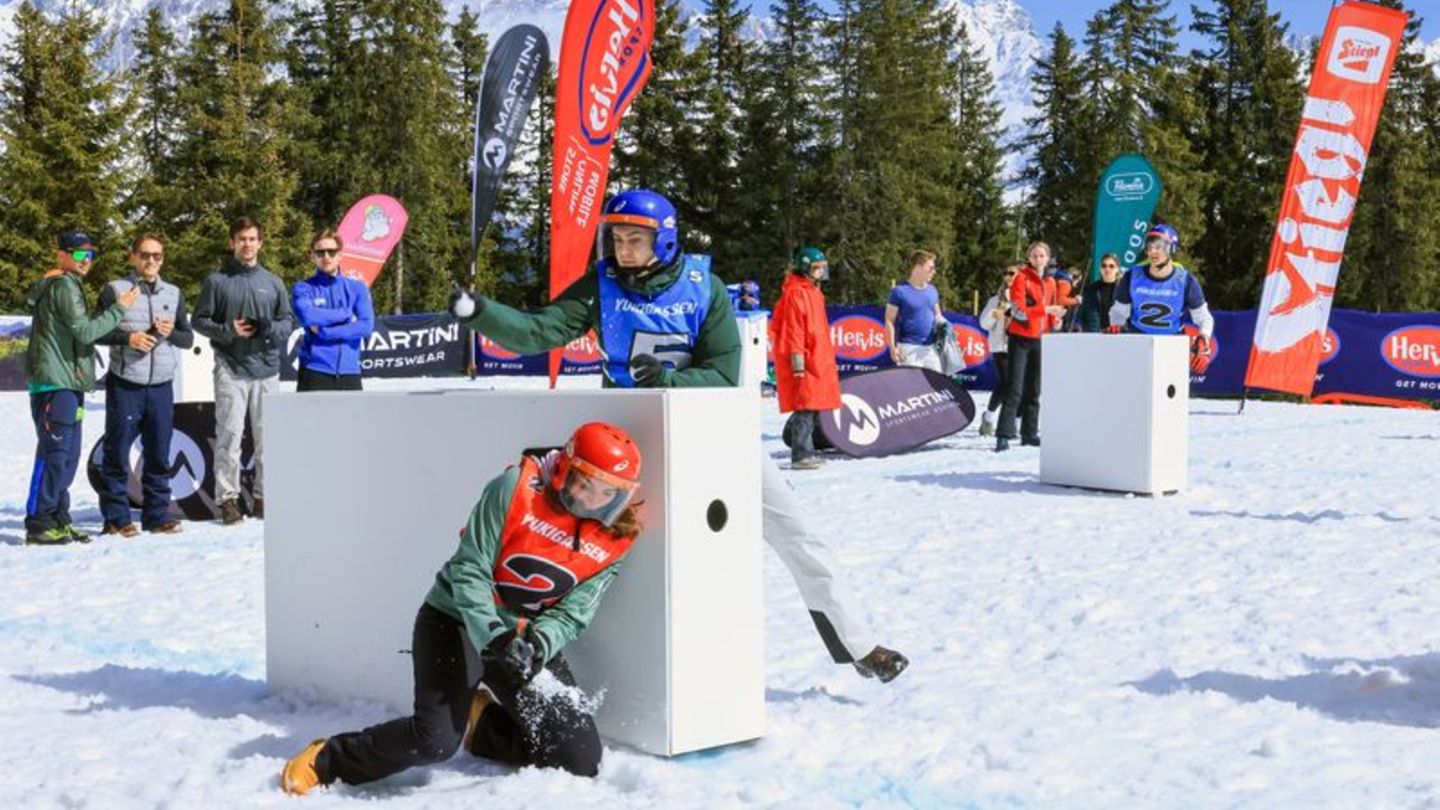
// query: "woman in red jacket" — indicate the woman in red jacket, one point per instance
point(806, 379)
point(1032, 299)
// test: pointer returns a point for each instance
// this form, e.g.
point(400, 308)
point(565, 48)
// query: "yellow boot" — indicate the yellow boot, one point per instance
point(478, 705)
point(299, 776)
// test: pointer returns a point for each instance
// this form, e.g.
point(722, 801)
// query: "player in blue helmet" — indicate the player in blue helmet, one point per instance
point(638, 219)
point(1155, 298)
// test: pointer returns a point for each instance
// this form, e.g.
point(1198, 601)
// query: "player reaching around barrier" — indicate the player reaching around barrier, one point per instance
point(664, 320)
point(483, 624)
point(1154, 298)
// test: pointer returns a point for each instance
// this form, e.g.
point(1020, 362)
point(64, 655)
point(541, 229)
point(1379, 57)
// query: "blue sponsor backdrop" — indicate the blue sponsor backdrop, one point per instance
point(1384, 355)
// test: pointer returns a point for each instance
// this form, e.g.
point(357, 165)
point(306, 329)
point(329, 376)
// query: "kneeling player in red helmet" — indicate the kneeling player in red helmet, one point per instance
point(561, 518)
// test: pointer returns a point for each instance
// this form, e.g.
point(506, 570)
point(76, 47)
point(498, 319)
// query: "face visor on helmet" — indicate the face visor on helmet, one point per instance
point(587, 491)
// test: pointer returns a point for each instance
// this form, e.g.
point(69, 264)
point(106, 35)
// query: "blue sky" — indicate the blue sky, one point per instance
point(1306, 17)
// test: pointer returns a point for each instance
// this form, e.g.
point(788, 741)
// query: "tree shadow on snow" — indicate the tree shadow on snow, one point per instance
point(1399, 691)
point(1003, 482)
point(1299, 517)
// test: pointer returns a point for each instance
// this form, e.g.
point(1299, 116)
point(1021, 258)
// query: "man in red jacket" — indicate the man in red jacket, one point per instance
point(806, 379)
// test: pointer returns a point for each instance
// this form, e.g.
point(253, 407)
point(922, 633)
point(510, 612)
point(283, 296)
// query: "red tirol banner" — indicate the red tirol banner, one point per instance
point(604, 61)
point(1342, 107)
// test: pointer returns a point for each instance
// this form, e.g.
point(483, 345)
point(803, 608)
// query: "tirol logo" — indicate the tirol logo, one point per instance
point(974, 344)
point(612, 62)
point(1130, 184)
point(584, 349)
point(490, 348)
point(857, 420)
point(1329, 346)
point(1358, 54)
point(493, 153)
point(857, 337)
point(1413, 350)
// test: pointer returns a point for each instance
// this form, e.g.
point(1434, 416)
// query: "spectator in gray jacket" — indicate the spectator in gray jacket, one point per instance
point(245, 311)
point(139, 396)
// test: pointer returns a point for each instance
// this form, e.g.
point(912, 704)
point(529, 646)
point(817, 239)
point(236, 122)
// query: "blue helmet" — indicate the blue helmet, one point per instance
point(1160, 230)
point(647, 210)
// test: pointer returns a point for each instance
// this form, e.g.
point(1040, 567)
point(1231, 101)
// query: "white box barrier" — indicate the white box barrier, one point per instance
point(366, 493)
point(754, 348)
point(195, 372)
point(1116, 412)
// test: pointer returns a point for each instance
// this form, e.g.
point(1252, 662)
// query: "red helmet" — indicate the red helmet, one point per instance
point(607, 455)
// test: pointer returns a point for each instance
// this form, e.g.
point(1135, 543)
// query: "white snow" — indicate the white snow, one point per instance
point(1264, 639)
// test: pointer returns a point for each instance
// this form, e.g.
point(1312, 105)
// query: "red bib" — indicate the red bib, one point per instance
point(544, 550)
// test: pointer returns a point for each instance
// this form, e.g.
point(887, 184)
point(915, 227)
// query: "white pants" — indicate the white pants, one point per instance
point(235, 398)
point(918, 354)
point(812, 565)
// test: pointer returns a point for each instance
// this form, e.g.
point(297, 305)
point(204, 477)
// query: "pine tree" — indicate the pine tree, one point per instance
point(1064, 170)
point(61, 126)
point(1249, 94)
point(982, 222)
point(233, 137)
point(155, 196)
point(1393, 251)
point(715, 225)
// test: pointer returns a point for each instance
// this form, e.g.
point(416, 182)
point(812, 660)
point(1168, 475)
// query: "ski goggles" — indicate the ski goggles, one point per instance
point(590, 492)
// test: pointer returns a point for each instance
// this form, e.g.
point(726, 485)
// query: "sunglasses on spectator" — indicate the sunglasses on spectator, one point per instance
point(325, 253)
point(147, 256)
point(1109, 264)
point(83, 254)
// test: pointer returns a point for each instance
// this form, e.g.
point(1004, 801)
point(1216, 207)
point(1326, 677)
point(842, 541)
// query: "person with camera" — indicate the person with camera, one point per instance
point(139, 396)
point(245, 311)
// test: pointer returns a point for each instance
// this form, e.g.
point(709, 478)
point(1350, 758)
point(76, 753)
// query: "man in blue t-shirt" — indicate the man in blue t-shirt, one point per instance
point(1155, 298)
point(912, 313)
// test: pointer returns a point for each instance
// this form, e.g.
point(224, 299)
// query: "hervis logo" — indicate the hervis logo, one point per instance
point(1130, 184)
point(1329, 346)
point(614, 57)
point(1413, 350)
point(584, 349)
point(857, 337)
point(1358, 54)
point(494, 350)
point(974, 344)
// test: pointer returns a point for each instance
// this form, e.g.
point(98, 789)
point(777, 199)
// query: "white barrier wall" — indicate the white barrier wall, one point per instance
point(1116, 412)
point(366, 493)
point(195, 372)
point(754, 348)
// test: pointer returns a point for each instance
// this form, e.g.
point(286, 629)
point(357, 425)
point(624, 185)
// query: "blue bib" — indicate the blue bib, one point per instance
point(665, 325)
point(1157, 307)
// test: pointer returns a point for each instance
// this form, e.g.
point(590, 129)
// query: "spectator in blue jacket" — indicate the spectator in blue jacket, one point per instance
point(336, 315)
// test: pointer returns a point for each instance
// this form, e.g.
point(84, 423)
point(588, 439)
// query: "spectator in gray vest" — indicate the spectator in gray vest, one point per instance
point(245, 311)
point(139, 396)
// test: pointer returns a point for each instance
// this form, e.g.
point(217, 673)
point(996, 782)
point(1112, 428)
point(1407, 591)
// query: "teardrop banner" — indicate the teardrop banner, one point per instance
point(370, 230)
point(896, 409)
point(512, 74)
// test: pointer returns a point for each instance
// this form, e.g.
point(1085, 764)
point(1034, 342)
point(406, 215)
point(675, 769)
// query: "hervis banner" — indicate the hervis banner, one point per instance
point(1124, 201)
point(370, 230)
point(1342, 108)
point(604, 61)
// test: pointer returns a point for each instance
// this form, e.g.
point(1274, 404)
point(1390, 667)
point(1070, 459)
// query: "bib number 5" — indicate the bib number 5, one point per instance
point(673, 349)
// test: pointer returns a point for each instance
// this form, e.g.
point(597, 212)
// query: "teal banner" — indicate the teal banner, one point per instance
point(1129, 190)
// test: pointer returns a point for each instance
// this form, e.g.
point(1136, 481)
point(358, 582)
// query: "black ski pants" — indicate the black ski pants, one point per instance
point(1022, 395)
point(1002, 382)
point(524, 728)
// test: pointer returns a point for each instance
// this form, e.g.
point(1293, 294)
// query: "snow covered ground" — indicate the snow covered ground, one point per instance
point(1268, 638)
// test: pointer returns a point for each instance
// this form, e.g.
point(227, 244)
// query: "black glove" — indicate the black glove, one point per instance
point(511, 661)
point(465, 304)
point(647, 370)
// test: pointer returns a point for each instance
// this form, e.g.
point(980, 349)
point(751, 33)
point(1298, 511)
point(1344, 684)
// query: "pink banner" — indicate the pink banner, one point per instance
point(370, 230)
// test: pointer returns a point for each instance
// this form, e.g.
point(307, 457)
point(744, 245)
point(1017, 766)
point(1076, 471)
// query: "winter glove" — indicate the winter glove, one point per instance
point(510, 660)
point(1114, 329)
point(465, 304)
point(1199, 354)
point(647, 370)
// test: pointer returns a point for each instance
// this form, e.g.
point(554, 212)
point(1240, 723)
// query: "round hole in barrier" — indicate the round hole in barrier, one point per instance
point(1170, 392)
point(717, 515)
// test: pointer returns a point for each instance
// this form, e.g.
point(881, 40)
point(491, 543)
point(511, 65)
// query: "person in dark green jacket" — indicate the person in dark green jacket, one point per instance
point(663, 320)
point(536, 557)
point(60, 364)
